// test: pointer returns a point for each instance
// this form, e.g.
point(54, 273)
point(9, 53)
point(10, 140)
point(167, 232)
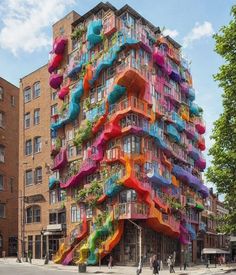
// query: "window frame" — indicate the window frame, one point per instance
point(1, 93)
point(30, 148)
point(37, 181)
point(37, 118)
point(27, 98)
point(4, 210)
point(26, 177)
point(2, 153)
point(37, 145)
point(1, 182)
point(36, 95)
point(27, 119)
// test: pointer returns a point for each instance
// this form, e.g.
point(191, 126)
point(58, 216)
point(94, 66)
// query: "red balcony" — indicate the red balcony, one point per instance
point(200, 125)
point(132, 210)
point(201, 143)
point(60, 160)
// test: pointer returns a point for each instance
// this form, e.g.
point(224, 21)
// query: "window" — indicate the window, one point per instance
point(52, 218)
point(53, 196)
point(53, 95)
point(89, 211)
point(2, 153)
point(132, 144)
point(2, 120)
point(73, 213)
point(70, 151)
point(38, 175)
point(92, 96)
point(2, 210)
point(36, 116)
point(13, 101)
point(28, 177)
point(27, 94)
point(33, 214)
point(1, 93)
point(37, 144)
point(1, 183)
point(54, 110)
point(36, 89)
point(28, 147)
point(100, 93)
point(27, 120)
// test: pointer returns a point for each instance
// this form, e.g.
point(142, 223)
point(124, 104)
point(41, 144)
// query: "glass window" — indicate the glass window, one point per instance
point(2, 121)
point(33, 214)
point(27, 94)
point(70, 151)
point(54, 110)
point(100, 93)
point(1, 183)
point(52, 218)
point(53, 95)
point(2, 153)
point(2, 210)
point(73, 213)
point(13, 101)
point(36, 89)
point(38, 174)
point(37, 144)
point(132, 144)
point(28, 177)
point(30, 244)
point(37, 213)
point(53, 196)
point(28, 147)
point(92, 96)
point(27, 120)
point(29, 215)
point(1, 93)
point(89, 211)
point(36, 116)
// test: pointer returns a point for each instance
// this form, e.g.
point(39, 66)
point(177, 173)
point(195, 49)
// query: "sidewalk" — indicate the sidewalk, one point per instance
point(119, 270)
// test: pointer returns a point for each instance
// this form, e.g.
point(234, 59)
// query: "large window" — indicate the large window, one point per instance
point(37, 145)
point(132, 144)
point(1, 93)
point(2, 153)
point(1, 183)
point(2, 119)
point(75, 213)
point(28, 177)
point(33, 214)
point(38, 175)
point(36, 116)
point(27, 94)
point(27, 120)
point(28, 147)
point(2, 210)
point(36, 89)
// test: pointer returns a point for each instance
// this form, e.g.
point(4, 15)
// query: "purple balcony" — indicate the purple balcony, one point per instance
point(55, 80)
point(190, 130)
point(204, 191)
point(59, 45)
point(184, 87)
point(193, 152)
point(60, 160)
point(175, 75)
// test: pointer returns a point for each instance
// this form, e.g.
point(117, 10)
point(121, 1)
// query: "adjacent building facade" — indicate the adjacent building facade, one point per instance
point(111, 145)
point(9, 135)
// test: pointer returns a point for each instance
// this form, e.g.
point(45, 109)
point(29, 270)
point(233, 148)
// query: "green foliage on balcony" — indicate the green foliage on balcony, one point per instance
point(78, 33)
point(83, 134)
point(174, 203)
point(58, 143)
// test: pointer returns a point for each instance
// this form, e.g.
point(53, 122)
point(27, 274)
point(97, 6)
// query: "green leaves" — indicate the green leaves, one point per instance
point(223, 170)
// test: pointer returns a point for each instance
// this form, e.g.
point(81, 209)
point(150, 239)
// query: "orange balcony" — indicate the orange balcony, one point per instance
point(171, 221)
point(132, 104)
point(132, 210)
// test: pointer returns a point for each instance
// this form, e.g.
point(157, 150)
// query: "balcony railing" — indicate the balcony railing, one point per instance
point(132, 210)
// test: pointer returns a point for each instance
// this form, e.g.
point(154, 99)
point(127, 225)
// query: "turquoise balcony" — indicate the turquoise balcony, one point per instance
point(94, 33)
point(173, 133)
point(179, 122)
point(112, 187)
point(191, 94)
point(52, 182)
point(117, 92)
point(195, 109)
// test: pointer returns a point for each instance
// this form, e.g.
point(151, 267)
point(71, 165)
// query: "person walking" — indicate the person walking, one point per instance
point(155, 265)
point(171, 264)
point(110, 262)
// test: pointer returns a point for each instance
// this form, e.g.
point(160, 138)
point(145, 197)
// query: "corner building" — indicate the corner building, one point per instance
point(9, 135)
point(126, 142)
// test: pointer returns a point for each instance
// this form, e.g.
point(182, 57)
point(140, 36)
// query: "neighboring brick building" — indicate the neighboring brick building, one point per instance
point(9, 135)
point(37, 104)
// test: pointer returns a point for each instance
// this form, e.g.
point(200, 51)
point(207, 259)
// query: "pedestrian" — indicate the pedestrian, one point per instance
point(155, 265)
point(151, 262)
point(161, 265)
point(110, 262)
point(171, 264)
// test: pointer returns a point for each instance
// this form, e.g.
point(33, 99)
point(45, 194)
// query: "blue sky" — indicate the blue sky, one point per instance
point(25, 30)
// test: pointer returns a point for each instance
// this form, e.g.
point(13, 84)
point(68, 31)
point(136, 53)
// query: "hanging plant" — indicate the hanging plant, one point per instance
point(83, 134)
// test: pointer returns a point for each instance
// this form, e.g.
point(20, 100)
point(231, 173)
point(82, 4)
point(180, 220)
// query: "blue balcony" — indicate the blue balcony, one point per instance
point(173, 133)
point(112, 187)
point(117, 92)
point(94, 33)
point(193, 152)
point(191, 231)
point(155, 177)
point(92, 114)
point(179, 122)
point(191, 94)
point(195, 109)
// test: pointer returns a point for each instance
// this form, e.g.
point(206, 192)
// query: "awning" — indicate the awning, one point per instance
point(214, 251)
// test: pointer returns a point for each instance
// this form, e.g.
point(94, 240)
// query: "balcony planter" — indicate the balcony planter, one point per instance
point(199, 207)
point(83, 134)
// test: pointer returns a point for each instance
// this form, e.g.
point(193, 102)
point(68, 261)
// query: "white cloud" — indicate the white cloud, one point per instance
point(199, 31)
point(171, 33)
point(25, 23)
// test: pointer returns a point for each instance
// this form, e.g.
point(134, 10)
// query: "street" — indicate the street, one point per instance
point(11, 267)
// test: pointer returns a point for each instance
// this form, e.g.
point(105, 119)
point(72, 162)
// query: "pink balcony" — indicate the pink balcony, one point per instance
point(200, 125)
point(184, 87)
point(59, 45)
point(159, 57)
point(171, 221)
point(63, 92)
point(201, 163)
point(132, 210)
point(60, 160)
point(55, 80)
point(190, 130)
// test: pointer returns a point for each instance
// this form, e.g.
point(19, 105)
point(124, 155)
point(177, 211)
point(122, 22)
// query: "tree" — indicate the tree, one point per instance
point(223, 168)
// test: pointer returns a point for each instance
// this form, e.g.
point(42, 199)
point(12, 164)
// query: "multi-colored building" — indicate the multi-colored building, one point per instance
point(126, 144)
point(9, 135)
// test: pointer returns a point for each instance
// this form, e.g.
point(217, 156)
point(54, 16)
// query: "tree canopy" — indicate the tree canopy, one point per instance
point(223, 168)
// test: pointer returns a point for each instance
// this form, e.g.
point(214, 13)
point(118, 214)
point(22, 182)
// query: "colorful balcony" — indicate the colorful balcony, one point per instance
point(201, 163)
point(200, 125)
point(94, 33)
point(60, 160)
point(63, 92)
point(191, 94)
point(159, 57)
point(54, 62)
point(202, 227)
point(204, 191)
point(201, 143)
point(193, 152)
point(184, 87)
point(117, 92)
point(195, 109)
point(171, 221)
point(95, 112)
point(132, 210)
point(157, 133)
point(155, 176)
point(175, 75)
point(112, 186)
point(112, 155)
point(53, 181)
point(192, 231)
point(55, 80)
point(180, 124)
point(173, 133)
point(59, 45)
point(190, 130)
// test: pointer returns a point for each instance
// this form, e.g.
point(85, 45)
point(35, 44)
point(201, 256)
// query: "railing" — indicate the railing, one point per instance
point(132, 210)
point(171, 221)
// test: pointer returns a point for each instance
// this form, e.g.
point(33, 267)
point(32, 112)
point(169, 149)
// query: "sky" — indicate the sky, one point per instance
point(25, 38)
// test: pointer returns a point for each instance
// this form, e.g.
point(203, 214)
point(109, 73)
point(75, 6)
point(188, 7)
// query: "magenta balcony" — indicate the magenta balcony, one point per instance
point(60, 160)
point(200, 125)
point(159, 57)
point(63, 92)
point(201, 163)
point(59, 45)
point(54, 62)
point(55, 80)
point(132, 210)
point(184, 87)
